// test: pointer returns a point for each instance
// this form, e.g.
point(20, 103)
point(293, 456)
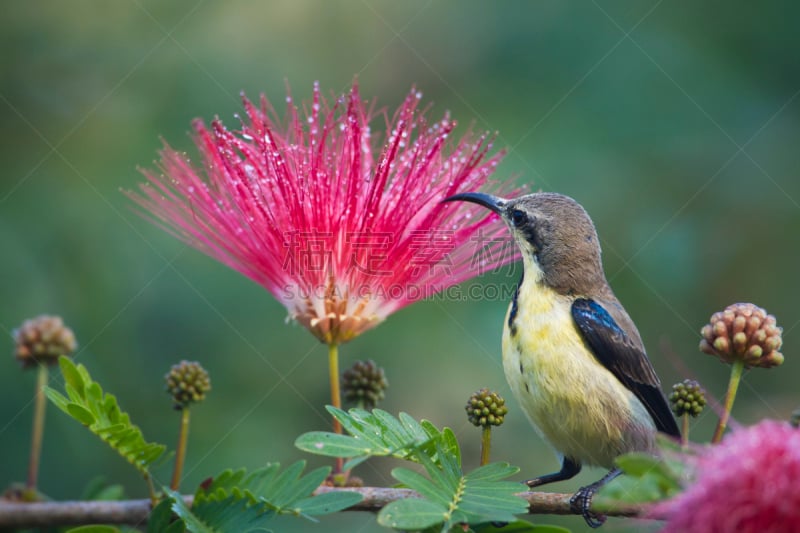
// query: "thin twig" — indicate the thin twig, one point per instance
point(42, 514)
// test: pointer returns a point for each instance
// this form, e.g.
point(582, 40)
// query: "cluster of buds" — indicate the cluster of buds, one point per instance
point(42, 340)
point(188, 383)
point(364, 383)
point(687, 397)
point(743, 332)
point(486, 408)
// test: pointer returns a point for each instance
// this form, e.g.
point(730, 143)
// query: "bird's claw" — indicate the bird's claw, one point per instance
point(581, 502)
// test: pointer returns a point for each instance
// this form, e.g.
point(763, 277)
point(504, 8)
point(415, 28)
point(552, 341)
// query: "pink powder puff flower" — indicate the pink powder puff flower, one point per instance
point(748, 483)
point(342, 229)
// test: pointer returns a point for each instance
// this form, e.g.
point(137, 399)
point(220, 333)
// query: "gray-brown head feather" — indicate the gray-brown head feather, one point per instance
point(563, 239)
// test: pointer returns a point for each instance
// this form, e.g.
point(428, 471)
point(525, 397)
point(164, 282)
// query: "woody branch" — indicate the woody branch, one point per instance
point(137, 512)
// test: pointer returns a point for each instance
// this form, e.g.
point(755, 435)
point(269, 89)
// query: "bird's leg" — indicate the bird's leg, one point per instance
point(569, 469)
point(582, 500)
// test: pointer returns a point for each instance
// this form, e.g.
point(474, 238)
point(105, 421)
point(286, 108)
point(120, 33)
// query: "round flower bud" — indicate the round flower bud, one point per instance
point(364, 382)
point(743, 332)
point(687, 397)
point(42, 340)
point(486, 408)
point(188, 383)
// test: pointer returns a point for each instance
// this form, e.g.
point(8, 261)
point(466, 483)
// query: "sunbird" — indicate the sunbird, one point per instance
point(571, 354)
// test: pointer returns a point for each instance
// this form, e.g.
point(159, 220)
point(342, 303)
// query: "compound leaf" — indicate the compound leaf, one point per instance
point(86, 403)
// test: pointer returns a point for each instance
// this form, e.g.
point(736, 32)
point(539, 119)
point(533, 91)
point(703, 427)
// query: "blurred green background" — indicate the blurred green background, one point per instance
point(676, 126)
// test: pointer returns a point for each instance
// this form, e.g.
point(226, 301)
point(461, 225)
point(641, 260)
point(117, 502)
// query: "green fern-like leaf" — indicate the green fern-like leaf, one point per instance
point(380, 434)
point(162, 521)
point(448, 495)
point(232, 513)
point(451, 497)
point(236, 500)
point(88, 404)
point(277, 492)
point(647, 478)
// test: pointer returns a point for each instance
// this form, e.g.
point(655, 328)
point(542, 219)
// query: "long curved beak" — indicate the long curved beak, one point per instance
point(493, 203)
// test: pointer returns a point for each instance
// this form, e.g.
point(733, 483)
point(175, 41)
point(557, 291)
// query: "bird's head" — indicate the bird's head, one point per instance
point(557, 238)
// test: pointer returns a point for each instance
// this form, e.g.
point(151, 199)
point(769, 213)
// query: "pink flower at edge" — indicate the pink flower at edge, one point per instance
point(341, 229)
point(748, 483)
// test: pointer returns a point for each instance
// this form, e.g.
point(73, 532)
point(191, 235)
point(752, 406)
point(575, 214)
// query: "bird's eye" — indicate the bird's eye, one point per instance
point(518, 217)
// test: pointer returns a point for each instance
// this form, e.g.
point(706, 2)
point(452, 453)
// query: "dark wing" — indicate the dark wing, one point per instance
point(624, 358)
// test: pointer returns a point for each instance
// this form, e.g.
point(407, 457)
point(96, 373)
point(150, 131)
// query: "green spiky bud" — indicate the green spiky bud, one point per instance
point(486, 408)
point(42, 340)
point(743, 332)
point(364, 382)
point(687, 397)
point(188, 383)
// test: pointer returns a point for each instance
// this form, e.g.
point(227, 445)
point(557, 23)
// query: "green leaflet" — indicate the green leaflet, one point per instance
point(161, 519)
point(86, 403)
point(236, 500)
point(450, 497)
point(646, 479)
point(331, 502)
point(286, 492)
point(379, 434)
point(411, 514)
point(219, 516)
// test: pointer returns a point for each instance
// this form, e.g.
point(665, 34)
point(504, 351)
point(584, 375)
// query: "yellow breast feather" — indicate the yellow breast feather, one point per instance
point(565, 392)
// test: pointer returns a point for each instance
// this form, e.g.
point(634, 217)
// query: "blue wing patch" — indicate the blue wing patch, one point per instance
point(589, 311)
point(625, 358)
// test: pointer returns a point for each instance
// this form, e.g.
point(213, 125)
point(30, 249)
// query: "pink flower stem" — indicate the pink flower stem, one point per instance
point(733, 385)
point(38, 426)
point(336, 396)
point(180, 454)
